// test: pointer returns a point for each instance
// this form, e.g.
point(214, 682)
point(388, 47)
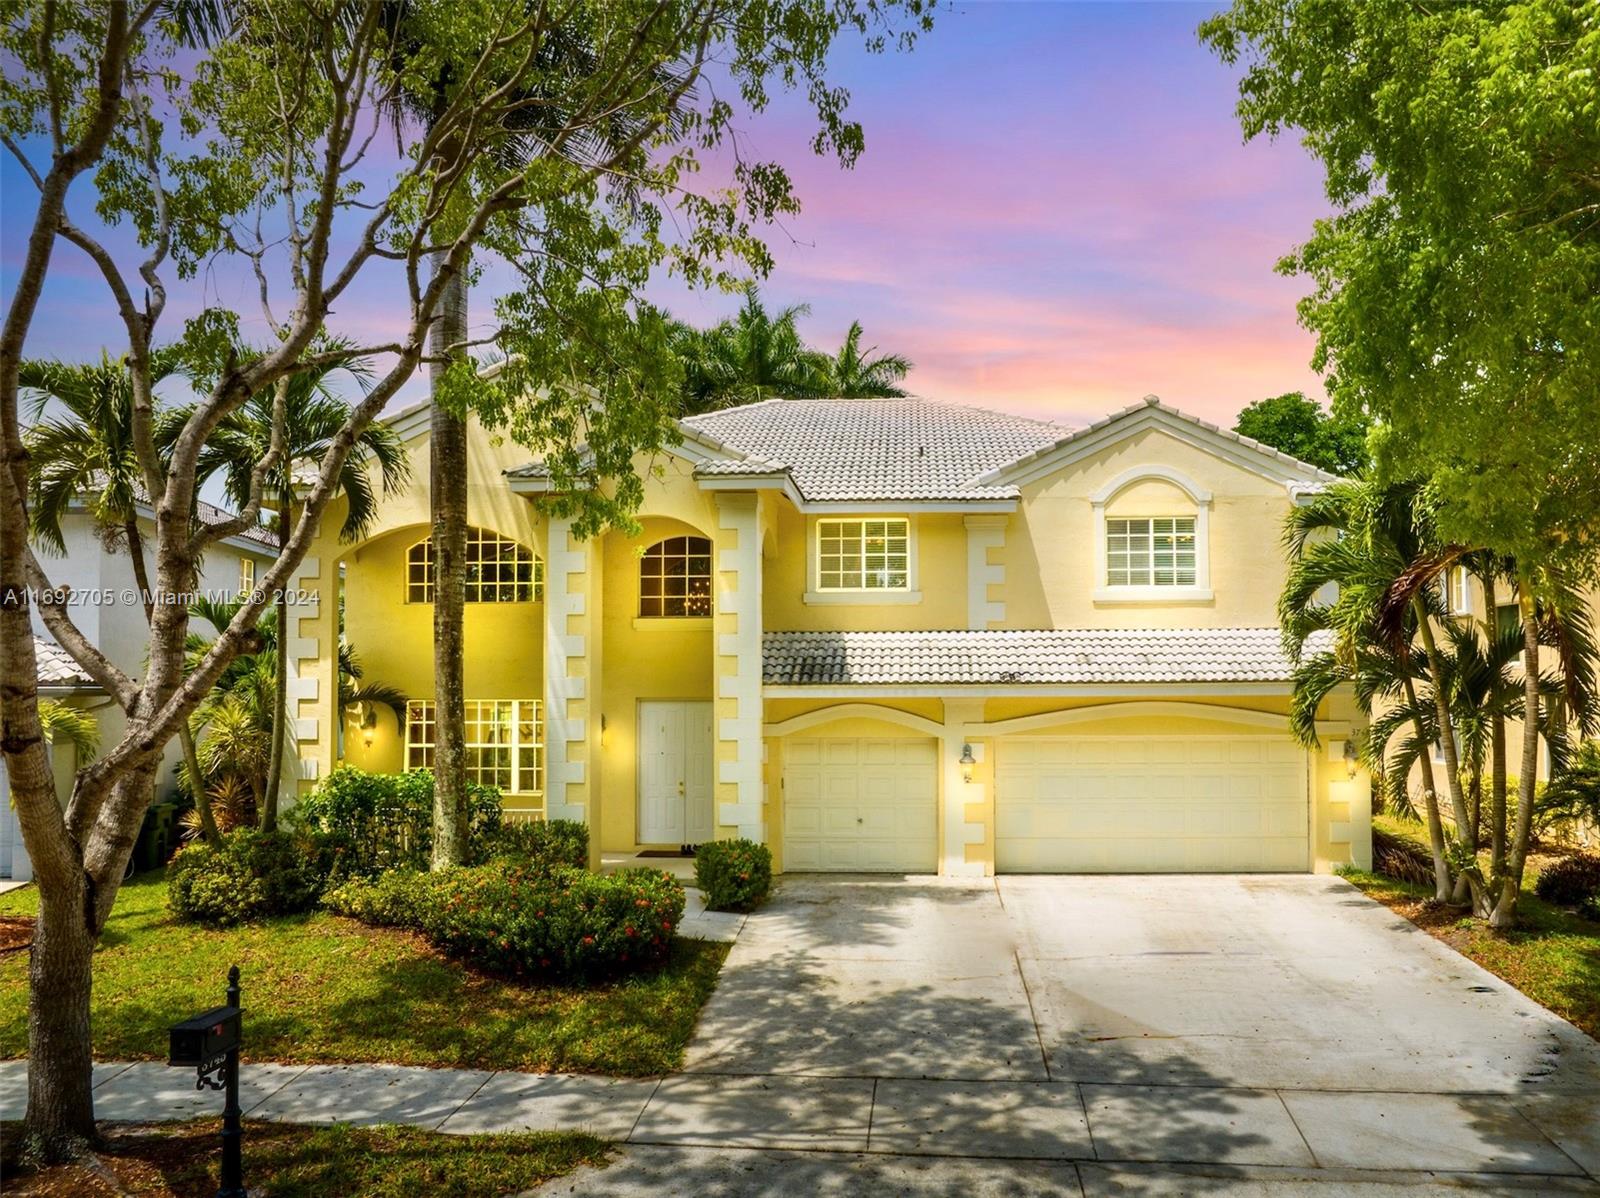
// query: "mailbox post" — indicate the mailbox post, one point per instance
point(209, 1043)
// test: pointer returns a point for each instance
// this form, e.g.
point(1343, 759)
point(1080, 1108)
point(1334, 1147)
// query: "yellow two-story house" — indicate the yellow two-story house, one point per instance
point(876, 635)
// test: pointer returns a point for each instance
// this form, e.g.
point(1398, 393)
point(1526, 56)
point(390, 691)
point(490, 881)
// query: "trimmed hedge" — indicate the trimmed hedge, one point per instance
point(735, 875)
point(1572, 882)
point(373, 822)
point(250, 875)
point(547, 844)
point(526, 921)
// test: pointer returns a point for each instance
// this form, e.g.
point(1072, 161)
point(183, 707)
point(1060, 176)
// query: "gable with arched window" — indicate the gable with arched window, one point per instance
point(675, 579)
point(499, 570)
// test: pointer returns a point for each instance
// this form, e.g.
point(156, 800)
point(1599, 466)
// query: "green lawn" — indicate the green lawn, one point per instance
point(282, 1160)
point(1553, 956)
point(320, 988)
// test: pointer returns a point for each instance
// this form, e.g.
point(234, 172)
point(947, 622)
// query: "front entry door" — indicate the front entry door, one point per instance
point(674, 773)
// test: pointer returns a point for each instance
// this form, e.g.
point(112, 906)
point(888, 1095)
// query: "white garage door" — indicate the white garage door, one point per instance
point(1180, 804)
point(860, 803)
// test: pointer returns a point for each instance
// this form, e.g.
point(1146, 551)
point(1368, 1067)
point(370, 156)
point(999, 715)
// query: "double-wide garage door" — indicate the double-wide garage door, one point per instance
point(861, 803)
point(1126, 804)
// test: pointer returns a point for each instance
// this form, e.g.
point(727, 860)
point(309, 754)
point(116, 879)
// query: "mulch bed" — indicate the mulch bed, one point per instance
point(16, 932)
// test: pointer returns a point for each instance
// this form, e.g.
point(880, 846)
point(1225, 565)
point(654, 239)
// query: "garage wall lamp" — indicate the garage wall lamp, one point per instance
point(1350, 759)
point(967, 762)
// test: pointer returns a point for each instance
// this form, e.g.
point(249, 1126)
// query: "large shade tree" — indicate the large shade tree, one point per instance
point(1454, 291)
point(255, 152)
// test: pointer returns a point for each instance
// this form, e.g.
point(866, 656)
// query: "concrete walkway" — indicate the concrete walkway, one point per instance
point(1036, 1036)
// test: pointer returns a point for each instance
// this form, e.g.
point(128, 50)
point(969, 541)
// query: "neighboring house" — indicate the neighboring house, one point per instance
point(62, 679)
point(874, 634)
point(108, 609)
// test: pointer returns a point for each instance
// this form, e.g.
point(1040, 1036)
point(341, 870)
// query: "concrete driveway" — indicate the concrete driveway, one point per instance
point(1091, 1035)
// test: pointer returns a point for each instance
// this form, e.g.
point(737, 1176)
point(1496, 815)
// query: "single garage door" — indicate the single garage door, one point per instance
point(860, 804)
point(1179, 804)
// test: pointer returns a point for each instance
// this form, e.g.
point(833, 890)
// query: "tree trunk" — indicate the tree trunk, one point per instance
point(191, 759)
point(60, 1118)
point(1430, 801)
point(447, 490)
point(202, 801)
point(280, 684)
point(1504, 914)
point(1497, 748)
point(1468, 887)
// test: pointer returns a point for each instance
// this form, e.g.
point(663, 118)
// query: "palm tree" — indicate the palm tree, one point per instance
point(314, 415)
point(85, 452)
point(1359, 538)
point(852, 374)
point(755, 355)
point(248, 687)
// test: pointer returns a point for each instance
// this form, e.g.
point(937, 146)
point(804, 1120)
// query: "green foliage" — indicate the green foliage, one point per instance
point(373, 822)
point(250, 875)
point(760, 355)
point(545, 844)
point(1454, 292)
point(1572, 882)
point(529, 922)
point(735, 875)
point(1574, 793)
point(67, 725)
point(396, 898)
point(1300, 428)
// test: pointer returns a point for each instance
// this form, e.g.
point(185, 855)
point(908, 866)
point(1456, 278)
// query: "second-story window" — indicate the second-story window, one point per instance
point(247, 575)
point(863, 555)
point(499, 570)
point(1148, 551)
point(1454, 592)
point(675, 579)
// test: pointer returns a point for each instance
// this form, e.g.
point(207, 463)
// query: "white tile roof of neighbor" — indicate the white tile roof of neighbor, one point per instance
point(875, 449)
point(56, 665)
point(1001, 657)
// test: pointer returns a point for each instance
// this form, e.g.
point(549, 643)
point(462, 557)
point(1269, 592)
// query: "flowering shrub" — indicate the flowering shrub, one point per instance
point(251, 874)
point(528, 921)
point(735, 875)
point(548, 844)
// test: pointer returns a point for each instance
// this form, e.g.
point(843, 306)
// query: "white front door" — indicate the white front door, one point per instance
point(861, 803)
point(1150, 804)
point(674, 773)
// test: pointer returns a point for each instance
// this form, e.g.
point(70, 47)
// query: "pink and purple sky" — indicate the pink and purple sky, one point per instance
point(1055, 215)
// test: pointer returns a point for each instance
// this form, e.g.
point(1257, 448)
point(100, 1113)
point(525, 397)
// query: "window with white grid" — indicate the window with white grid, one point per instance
point(675, 578)
point(863, 555)
point(1150, 551)
point(499, 570)
point(504, 742)
point(247, 575)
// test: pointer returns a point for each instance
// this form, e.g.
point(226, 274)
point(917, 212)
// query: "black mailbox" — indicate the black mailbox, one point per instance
point(203, 1038)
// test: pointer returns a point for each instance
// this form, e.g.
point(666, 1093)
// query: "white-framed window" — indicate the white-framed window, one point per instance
point(675, 579)
point(864, 555)
point(247, 575)
point(1454, 591)
point(499, 570)
point(1146, 551)
point(504, 742)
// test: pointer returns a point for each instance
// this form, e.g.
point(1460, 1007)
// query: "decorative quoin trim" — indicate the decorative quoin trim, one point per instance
point(305, 687)
point(983, 534)
point(739, 703)
point(566, 671)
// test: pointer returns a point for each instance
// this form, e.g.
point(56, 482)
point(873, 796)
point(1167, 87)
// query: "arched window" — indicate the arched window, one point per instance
point(675, 578)
point(499, 570)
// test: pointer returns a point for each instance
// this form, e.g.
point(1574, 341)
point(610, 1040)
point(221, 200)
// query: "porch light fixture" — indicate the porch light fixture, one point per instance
point(967, 762)
point(369, 723)
point(1350, 759)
